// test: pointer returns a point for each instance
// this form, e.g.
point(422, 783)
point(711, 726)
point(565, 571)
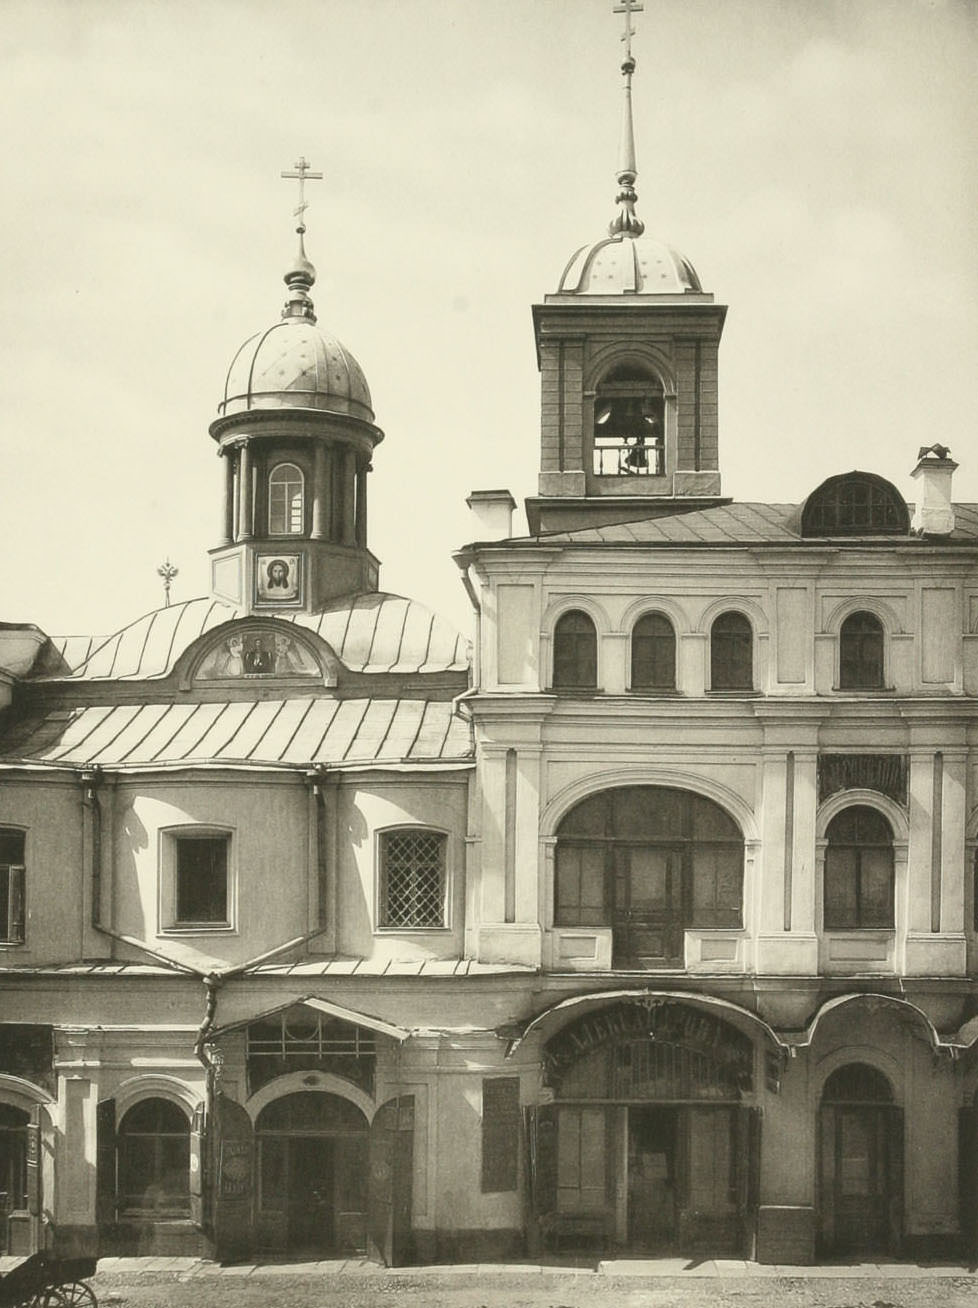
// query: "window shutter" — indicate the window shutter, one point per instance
point(16, 903)
point(34, 1195)
point(500, 1133)
point(105, 1161)
point(541, 1131)
point(198, 1154)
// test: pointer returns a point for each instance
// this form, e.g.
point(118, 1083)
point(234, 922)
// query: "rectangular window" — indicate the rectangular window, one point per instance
point(11, 886)
point(412, 879)
point(580, 899)
point(201, 880)
point(500, 1133)
point(717, 886)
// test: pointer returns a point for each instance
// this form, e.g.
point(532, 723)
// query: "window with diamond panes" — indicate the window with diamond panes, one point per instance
point(412, 892)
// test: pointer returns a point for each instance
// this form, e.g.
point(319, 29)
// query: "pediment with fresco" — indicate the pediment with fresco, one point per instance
point(254, 651)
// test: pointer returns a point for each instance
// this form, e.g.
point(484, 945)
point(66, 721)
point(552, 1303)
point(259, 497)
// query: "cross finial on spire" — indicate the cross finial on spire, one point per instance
point(628, 7)
point(625, 221)
point(302, 171)
point(302, 274)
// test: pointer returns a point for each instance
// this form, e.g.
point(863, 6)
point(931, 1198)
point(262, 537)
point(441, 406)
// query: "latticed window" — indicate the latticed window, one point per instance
point(861, 652)
point(858, 870)
point(412, 878)
point(653, 653)
point(285, 501)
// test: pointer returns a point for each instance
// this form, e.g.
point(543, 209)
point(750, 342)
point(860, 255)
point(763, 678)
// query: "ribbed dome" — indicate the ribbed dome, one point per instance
point(294, 365)
point(628, 265)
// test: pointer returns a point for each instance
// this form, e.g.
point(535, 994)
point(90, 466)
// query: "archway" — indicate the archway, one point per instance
point(648, 1143)
point(648, 861)
point(860, 1190)
point(312, 1174)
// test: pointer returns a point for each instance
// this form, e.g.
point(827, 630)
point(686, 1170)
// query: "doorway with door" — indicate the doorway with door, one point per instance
point(312, 1150)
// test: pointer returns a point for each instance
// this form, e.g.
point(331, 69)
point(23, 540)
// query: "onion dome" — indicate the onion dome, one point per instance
point(627, 262)
point(295, 364)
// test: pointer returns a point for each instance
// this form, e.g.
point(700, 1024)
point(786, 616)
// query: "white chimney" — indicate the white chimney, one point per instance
point(934, 514)
point(493, 511)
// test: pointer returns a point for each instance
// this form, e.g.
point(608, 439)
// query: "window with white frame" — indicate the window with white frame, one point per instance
point(413, 878)
point(285, 501)
point(196, 880)
point(12, 876)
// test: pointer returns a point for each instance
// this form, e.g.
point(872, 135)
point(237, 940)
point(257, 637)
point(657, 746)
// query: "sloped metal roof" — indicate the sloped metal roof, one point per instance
point(368, 633)
point(738, 524)
point(282, 732)
point(333, 967)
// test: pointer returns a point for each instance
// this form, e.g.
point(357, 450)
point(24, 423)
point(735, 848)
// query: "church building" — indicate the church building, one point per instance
point(643, 924)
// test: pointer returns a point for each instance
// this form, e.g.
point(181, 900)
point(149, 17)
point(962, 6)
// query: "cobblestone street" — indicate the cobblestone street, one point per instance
point(135, 1283)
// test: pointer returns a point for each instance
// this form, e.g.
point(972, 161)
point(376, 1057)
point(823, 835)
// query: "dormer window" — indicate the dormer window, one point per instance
point(629, 425)
point(285, 501)
point(855, 504)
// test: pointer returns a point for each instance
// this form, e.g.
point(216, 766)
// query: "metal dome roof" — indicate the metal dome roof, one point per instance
point(628, 265)
point(295, 365)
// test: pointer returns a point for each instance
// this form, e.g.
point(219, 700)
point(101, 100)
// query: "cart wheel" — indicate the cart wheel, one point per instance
point(76, 1294)
point(48, 1298)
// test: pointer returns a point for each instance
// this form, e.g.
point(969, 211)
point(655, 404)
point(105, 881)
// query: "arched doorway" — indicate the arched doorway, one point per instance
point(13, 1174)
point(648, 1144)
point(648, 861)
point(312, 1174)
point(860, 1163)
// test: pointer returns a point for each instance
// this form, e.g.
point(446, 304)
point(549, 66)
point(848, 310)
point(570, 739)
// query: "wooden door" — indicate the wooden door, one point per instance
point(861, 1177)
point(652, 1178)
point(647, 916)
point(233, 1144)
point(391, 1169)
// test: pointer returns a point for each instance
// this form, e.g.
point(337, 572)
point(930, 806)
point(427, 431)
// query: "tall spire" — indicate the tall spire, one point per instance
point(625, 221)
point(301, 277)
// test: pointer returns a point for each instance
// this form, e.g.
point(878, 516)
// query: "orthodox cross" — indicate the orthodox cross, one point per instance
point(167, 571)
point(628, 7)
point(302, 172)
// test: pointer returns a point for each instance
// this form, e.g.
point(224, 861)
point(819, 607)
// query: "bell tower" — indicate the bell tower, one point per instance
point(627, 350)
point(296, 434)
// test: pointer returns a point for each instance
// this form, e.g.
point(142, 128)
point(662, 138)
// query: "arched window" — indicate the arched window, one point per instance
point(858, 889)
point(731, 653)
point(861, 652)
point(575, 652)
point(857, 1083)
point(629, 423)
point(154, 1159)
point(285, 501)
point(648, 861)
point(855, 504)
point(653, 653)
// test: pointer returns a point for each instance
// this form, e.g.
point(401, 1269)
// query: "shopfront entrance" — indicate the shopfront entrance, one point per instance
point(312, 1175)
point(13, 1177)
point(648, 1145)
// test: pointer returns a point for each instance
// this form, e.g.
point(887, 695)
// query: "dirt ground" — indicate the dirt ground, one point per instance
point(567, 1289)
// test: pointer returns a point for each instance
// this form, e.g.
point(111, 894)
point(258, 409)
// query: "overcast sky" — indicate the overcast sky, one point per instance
point(814, 159)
